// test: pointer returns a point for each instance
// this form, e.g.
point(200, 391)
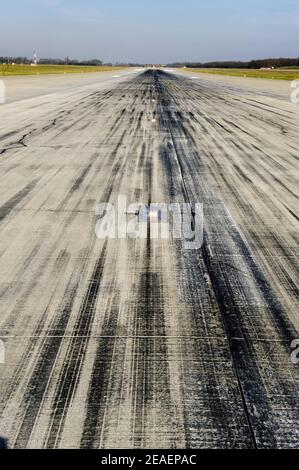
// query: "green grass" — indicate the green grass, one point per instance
point(277, 74)
point(9, 70)
point(290, 67)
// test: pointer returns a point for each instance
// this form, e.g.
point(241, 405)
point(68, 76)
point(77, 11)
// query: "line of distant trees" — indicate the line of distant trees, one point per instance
point(253, 64)
point(66, 61)
point(16, 60)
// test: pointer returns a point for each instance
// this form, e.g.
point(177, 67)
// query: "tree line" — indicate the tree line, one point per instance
point(50, 61)
point(252, 64)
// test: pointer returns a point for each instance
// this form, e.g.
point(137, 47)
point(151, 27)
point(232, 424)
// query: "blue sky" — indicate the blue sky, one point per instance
point(151, 31)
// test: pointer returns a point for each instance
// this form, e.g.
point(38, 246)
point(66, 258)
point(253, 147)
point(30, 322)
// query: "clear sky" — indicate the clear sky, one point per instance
point(150, 31)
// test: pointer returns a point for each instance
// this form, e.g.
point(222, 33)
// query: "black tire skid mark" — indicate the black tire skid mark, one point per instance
point(39, 379)
point(99, 368)
point(190, 286)
point(10, 205)
point(149, 321)
point(261, 280)
point(150, 378)
point(242, 351)
point(47, 355)
point(167, 121)
point(98, 391)
point(149, 304)
point(48, 349)
point(190, 265)
point(70, 373)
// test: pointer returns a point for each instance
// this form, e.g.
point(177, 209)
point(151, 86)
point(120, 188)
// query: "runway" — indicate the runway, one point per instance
point(140, 343)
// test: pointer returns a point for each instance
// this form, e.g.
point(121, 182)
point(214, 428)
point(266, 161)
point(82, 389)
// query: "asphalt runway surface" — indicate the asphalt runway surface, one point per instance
point(18, 88)
point(141, 343)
